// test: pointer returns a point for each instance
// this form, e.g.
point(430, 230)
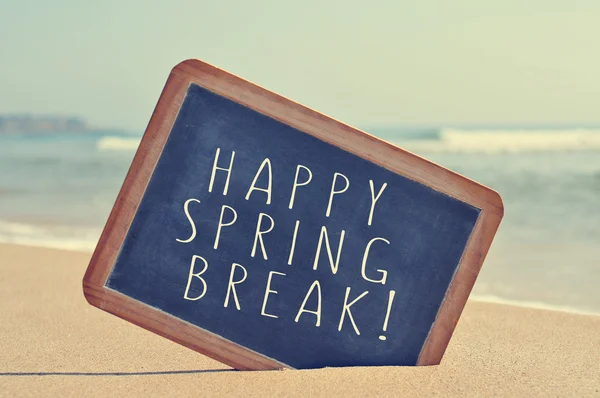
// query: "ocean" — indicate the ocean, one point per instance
point(56, 190)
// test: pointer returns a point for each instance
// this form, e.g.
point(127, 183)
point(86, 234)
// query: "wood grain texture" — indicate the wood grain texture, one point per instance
point(320, 126)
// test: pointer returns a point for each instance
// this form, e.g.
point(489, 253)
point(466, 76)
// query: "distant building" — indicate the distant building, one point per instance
point(40, 124)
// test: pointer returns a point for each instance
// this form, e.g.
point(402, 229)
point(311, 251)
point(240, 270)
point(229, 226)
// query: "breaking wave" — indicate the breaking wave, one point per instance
point(505, 141)
point(450, 140)
point(114, 143)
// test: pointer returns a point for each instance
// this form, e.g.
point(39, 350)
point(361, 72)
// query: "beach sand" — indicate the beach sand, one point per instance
point(53, 343)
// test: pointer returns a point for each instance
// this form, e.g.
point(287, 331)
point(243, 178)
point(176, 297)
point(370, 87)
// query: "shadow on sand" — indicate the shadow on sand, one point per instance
point(167, 372)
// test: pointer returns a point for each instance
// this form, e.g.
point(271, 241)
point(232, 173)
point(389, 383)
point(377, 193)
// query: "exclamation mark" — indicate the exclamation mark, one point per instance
point(387, 314)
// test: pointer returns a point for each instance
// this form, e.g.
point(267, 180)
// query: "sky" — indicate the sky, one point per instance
point(367, 63)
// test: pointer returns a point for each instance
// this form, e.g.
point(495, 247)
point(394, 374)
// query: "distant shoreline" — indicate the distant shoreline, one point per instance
point(27, 124)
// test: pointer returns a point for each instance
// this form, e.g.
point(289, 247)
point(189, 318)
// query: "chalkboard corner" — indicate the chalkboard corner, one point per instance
point(192, 67)
point(497, 201)
point(459, 290)
point(176, 330)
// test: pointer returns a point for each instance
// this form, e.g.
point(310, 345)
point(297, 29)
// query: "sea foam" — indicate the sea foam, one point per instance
point(538, 305)
point(114, 143)
point(49, 236)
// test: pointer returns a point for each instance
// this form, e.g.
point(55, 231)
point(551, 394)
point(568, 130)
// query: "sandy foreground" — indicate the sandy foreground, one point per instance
point(53, 343)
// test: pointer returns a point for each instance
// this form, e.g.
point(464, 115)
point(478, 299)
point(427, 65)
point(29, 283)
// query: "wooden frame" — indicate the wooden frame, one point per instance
point(320, 126)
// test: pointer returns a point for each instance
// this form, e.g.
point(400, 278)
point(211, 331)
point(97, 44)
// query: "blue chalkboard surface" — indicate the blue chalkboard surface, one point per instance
point(268, 240)
point(427, 232)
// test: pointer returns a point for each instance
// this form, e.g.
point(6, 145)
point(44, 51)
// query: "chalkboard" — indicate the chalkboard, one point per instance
point(266, 235)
